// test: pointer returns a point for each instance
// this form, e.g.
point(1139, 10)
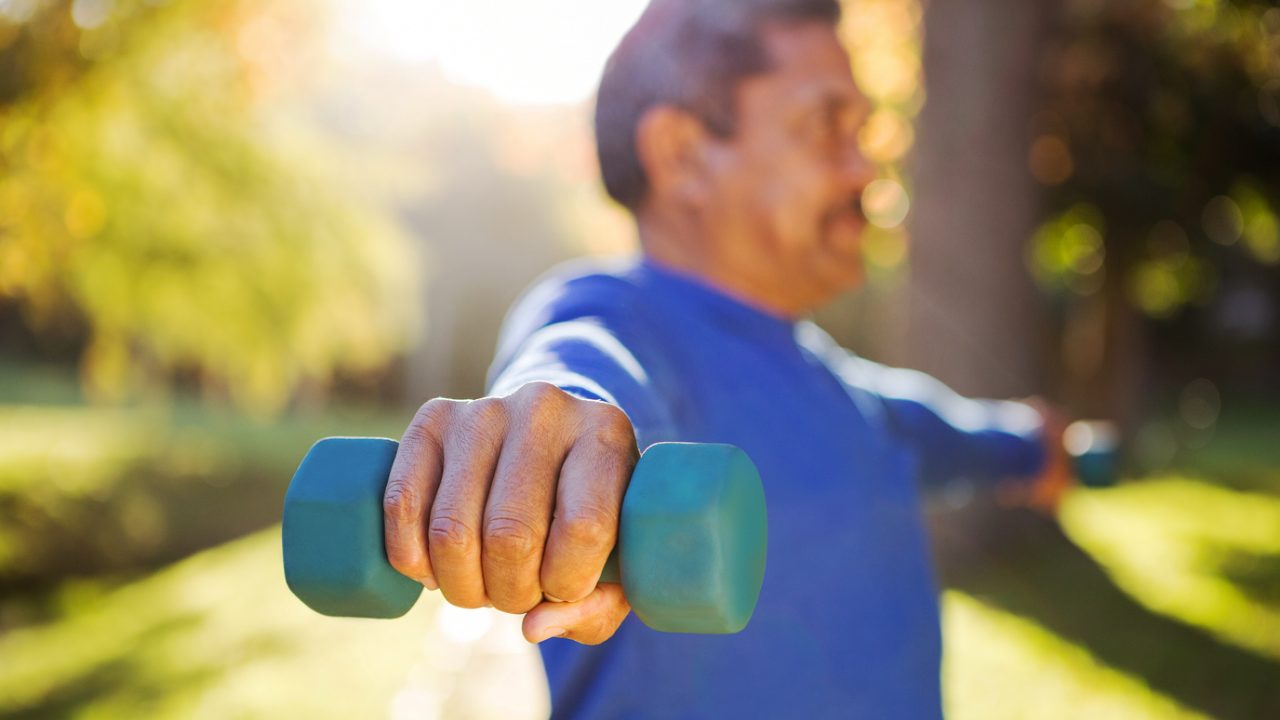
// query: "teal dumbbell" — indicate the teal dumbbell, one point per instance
point(691, 539)
point(1094, 449)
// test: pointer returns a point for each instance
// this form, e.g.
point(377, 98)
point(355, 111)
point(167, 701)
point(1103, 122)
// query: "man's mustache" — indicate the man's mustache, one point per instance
point(852, 203)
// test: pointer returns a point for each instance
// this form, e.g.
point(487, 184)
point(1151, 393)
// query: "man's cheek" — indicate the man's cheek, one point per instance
point(793, 218)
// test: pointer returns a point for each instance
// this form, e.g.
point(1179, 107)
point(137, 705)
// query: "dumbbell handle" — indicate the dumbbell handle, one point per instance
point(612, 572)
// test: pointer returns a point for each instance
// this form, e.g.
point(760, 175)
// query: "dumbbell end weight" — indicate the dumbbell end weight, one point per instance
point(693, 538)
point(335, 559)
point(1094, 449)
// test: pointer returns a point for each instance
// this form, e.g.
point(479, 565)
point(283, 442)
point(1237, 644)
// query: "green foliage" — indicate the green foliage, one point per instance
point(1068, 252)
point(1164, 119)
point(156, 193)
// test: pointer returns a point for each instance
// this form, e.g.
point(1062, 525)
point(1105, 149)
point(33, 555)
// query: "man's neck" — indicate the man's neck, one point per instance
point(680, 247)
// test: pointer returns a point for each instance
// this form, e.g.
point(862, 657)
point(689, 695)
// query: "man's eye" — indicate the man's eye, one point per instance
point(821, 126)
point(838, 125)
point(811, 125)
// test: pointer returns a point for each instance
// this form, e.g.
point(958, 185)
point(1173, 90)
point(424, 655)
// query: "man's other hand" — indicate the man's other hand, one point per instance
point(513, 502)
point(1045, 491)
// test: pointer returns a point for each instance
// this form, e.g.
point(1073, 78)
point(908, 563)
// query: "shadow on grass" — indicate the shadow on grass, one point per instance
point(135, 683)
point(1023, 563)
point(1257, 575)
point(119, 491)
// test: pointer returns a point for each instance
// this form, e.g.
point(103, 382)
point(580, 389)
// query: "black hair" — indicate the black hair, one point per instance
point(689, 54)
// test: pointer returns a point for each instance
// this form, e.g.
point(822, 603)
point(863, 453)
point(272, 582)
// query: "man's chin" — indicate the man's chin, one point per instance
point(849, 276)
point(844, 256)
point(842, 234)
point(844, 244)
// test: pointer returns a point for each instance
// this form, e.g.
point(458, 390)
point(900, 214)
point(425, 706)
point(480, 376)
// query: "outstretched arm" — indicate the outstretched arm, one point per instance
point(953, 436)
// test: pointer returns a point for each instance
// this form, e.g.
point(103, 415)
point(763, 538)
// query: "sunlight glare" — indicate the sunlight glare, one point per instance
point(524, 53)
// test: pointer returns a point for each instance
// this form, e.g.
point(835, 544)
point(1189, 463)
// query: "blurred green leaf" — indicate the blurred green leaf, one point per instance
point(159, 197)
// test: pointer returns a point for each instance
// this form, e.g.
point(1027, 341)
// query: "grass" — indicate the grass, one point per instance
point(1206, 556)
point(999, 665)
point(213, 636)
point(140, 577)
point(1242, 451)
point(218, 635)
point(1170, 582)
point(87, 490)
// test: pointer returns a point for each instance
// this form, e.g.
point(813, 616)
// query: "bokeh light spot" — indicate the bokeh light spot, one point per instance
point(1222, 220)
point(90, 14)
point(885, 249)
point(1169, 242)
point(1050, 160)
point(885, 203)
point(1199, 403)
point(886, 136)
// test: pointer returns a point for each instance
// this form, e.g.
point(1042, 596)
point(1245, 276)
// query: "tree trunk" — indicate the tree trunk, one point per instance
point(973, 315)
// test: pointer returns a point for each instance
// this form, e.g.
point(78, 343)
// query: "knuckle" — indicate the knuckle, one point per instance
point(450, 535)
point(511, 539)
point(399, 501)
point(611, 429)
point(406, 563)
point(543, 406)
point(432, 415)
point(588, 527)
point(486, 416)
point(540, 393)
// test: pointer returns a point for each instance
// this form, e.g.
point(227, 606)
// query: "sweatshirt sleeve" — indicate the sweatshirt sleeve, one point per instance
point(587, 336)
point(951, 435)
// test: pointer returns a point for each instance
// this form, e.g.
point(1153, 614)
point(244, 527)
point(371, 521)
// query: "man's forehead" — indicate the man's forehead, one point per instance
point(807, 59)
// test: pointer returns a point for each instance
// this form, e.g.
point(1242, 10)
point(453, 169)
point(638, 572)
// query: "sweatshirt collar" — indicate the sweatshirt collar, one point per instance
point(695, 294)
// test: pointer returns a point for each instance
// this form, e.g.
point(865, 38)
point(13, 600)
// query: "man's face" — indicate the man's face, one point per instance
point(786, 186)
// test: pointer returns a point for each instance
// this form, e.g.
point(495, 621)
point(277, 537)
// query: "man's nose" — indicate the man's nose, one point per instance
point(852, 166)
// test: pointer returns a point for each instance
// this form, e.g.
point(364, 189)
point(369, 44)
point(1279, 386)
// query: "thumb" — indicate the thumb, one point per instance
point(590, 621)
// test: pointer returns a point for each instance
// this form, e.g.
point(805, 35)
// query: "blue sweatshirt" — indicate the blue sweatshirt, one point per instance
point(847, 622)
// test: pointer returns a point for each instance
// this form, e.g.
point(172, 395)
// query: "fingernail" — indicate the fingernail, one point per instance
point(430, 583)
point(548, 633)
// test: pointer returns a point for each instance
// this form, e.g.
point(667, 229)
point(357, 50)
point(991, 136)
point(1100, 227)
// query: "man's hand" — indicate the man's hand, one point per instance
point(514, 502)
point(1045, 491)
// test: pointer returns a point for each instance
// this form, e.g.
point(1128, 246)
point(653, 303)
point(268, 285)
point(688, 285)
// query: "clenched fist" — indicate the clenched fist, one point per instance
point(514, 502)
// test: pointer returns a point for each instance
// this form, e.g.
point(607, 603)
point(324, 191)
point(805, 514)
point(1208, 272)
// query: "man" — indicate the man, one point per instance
point(729, 129)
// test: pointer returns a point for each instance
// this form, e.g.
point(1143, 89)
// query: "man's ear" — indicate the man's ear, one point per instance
point(672, 146)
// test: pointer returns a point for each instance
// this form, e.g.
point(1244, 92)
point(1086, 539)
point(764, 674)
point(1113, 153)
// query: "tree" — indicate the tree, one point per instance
point(159, 204)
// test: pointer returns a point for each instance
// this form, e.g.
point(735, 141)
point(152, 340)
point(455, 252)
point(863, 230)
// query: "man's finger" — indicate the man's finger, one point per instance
point(411, 488)
point(593, 480)
point(516, 517)
point(471, 447)
point(589, 621)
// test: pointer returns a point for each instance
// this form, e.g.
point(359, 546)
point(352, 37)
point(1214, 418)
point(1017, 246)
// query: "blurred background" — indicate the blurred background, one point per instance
point(228, 229)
